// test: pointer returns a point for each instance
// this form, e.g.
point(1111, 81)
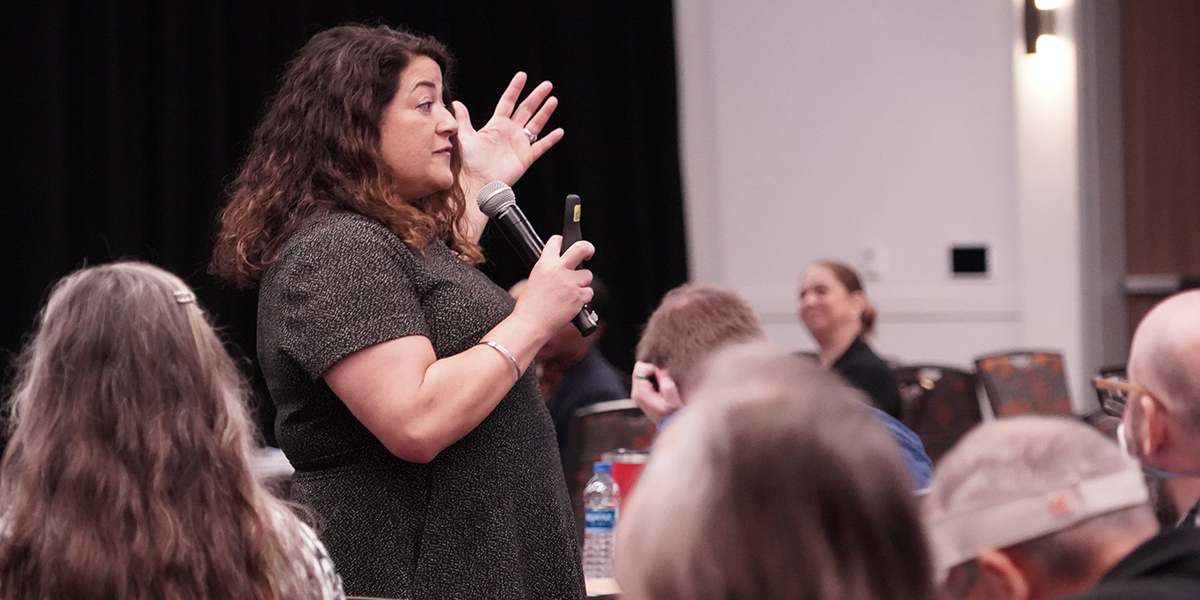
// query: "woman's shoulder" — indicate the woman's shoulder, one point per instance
point(338, 238)
point(860, 356)
point(339, 228)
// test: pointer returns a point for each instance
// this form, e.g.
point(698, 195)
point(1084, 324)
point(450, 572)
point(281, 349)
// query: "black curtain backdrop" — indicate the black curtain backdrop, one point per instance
point(125, 120)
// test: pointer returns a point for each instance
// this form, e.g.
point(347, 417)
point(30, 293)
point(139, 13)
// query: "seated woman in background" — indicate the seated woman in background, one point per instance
point(775, 483)
point(127, 475)
point(835, 310)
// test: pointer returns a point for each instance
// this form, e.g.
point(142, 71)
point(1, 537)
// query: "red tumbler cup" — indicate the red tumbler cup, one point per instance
point(627, 467)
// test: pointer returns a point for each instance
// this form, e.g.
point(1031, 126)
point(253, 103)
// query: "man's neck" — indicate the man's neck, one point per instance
point(1184, 492)
point(1050, 586)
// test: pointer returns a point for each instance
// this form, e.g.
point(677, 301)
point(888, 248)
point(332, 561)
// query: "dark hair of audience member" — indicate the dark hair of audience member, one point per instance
point(779, 483)
point(317, 150)
point(127, 472)
point(847, 277)
point(691, 322)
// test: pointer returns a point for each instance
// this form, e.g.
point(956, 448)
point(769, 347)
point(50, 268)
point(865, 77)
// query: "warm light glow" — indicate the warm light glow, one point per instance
point(1050, 46)
point(1047, 4)
point(1048, 66)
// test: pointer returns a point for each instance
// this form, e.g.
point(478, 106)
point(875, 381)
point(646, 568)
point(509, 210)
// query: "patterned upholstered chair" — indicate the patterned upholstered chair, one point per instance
point(596, 429)
point(1024, 382)
point(940, 405)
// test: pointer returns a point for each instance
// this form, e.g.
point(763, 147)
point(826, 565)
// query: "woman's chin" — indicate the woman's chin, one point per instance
point(815, 326)
point(446, 182)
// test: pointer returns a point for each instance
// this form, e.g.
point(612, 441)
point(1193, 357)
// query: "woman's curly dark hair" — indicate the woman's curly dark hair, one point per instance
point(317, 150)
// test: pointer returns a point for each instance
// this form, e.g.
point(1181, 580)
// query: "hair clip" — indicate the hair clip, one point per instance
point(184, 297)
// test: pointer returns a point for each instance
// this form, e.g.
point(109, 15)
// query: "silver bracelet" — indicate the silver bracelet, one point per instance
point(505, 352)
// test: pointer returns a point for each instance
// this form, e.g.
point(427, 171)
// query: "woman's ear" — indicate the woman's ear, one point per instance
point(859, 300)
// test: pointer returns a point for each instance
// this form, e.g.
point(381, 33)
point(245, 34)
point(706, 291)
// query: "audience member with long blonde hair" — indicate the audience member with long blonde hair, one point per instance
point(127, 475)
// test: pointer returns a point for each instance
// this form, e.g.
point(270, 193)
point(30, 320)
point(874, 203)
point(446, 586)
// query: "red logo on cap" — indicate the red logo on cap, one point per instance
point(1060, 505)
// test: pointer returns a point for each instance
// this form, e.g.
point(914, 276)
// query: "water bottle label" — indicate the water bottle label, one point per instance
point(600, 518)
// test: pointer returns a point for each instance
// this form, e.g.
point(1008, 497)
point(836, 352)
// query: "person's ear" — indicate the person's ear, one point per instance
point(859, 300)
point(1154, 426)
point(999, 579)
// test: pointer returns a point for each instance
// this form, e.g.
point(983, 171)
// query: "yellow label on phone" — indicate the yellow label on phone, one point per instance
point(577, 207)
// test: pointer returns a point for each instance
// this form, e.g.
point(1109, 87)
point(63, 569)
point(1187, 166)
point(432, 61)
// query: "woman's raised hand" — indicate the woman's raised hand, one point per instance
point(556, 290)
point(511, 140)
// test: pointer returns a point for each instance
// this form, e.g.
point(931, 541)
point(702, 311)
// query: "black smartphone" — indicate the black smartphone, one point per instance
point(586, 320)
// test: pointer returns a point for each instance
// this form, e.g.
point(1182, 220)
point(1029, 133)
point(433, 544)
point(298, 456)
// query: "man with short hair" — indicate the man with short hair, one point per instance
point(691, 323)
point(1161, 425)
point(1031, 508)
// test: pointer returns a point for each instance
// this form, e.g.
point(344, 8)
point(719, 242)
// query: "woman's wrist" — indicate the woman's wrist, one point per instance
point(503, 351)
point(532, 330)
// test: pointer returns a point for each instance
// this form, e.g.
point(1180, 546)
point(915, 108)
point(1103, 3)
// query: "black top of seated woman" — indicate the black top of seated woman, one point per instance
point(489, 516)
point(863, 369)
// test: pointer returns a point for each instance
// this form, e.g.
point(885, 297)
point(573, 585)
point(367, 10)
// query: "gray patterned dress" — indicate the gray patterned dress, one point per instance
point(487, 518)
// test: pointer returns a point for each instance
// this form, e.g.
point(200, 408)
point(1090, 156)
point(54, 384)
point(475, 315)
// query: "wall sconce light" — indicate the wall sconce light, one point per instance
point(1039, 21)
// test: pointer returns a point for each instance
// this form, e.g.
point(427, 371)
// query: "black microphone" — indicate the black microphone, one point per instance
point(499, 203)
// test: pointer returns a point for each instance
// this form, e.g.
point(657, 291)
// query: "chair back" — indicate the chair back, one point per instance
point(1104, 423)
point(1024, 382)
point(1112, 404)
point(940, 404)
point(596, 429)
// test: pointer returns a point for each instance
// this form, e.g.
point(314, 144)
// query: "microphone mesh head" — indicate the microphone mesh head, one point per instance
point(495, 197)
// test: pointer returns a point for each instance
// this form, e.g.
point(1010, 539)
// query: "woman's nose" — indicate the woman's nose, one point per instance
point(448, 125)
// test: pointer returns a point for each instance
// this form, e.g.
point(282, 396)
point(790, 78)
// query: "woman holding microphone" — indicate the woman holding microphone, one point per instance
point(399, 371)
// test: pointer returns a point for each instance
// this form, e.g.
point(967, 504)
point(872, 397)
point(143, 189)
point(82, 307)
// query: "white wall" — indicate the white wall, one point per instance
point(881, 133)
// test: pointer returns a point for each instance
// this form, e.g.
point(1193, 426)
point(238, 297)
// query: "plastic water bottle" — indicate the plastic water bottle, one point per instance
point(601, 499)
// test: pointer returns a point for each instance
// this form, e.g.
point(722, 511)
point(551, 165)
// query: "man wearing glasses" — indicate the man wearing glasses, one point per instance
point(1161, 424)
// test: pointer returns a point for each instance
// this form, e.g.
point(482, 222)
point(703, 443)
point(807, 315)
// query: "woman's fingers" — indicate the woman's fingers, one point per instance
point(569, 261)
point(572, 257)
point(463, 117)
point(531, 106)
point(544, 143)
point(508, 100)
point(537, 122)
point(553, 246)
point(534, 111)
point(556, 290)
point(577, 253)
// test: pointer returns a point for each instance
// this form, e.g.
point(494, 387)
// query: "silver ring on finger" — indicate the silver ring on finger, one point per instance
point(531, 135)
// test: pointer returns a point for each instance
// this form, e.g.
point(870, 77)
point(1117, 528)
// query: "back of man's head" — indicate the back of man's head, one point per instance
point(691, 322)
point(1164, 357)
point(778, 482)
point(1055, 494)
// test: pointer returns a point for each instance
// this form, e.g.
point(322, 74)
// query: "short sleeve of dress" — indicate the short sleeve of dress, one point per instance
point(341, 286)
